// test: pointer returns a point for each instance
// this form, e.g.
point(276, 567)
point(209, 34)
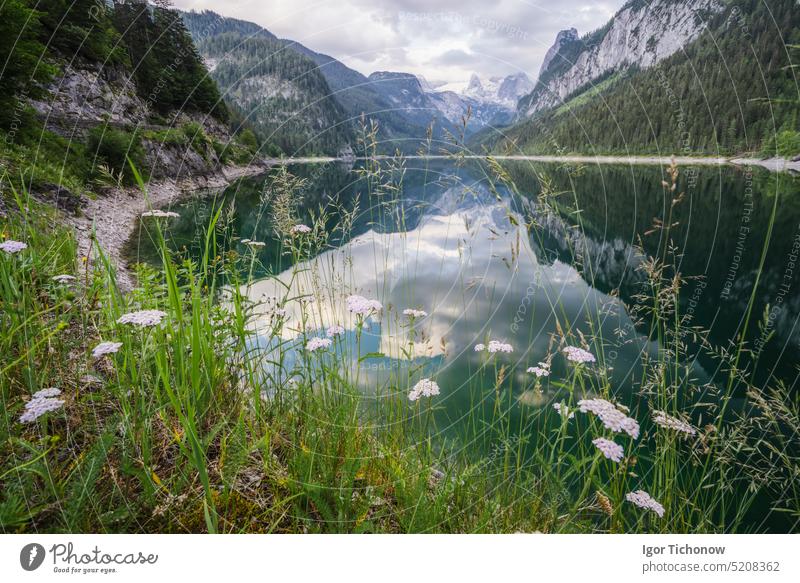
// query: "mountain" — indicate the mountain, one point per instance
point(279, 91)
point(641, 34)
point(728, 85)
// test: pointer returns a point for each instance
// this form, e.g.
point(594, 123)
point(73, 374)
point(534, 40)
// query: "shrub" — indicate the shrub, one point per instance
point(113, 147)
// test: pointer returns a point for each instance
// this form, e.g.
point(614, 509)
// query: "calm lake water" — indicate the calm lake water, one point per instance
point(486, 261)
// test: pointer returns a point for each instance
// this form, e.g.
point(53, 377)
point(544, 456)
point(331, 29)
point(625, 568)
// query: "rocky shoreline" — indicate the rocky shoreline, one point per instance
point(113, 215)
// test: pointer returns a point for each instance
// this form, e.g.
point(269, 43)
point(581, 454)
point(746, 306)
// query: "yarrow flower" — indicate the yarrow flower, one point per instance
point(579, 355)
point(143, 318)
point(611, 416)
point(158, 214)
point(334, 330)
point(563, 410)
point(610, 449)
point(12, 247)
point(106, 348)
point(300, 230)
point(318, 344)
point(362, 306)
point(542, 370)
point(424, 388)
point(480, 347)
point(669, 422)
point(64, 278)
point(494, 346)
point(643, 500)
point(42, 402)
point(415, 313)
point(254, 244)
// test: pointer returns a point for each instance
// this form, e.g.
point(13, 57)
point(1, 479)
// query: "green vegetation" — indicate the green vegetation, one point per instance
point(731, 91)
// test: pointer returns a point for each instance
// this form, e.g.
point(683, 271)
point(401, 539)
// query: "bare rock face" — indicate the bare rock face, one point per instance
point(562, 38)
point(640, 34)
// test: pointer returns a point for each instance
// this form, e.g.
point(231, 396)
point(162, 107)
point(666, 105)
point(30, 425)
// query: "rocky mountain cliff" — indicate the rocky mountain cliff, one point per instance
point(640, 35)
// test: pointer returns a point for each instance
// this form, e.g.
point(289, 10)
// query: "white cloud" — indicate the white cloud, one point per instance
point(445, 40)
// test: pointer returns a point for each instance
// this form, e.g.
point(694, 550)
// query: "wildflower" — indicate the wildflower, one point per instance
point(362, 306)
point(106, 348)
point(143, 318)
point(47, 393)
point(579, 355)
point(668, 422)
point(542, 370)
point(643, 500)
point(12, 247)
point(480, 347)
point(611, 416)
point(335, 330)
point(64, 278)
point(495, 346)
point(42, 402)
point(299, 230)
point(318, 344)
point(563, 410)
point(280, 312)
point(424, 388)
point(610, 449)
point(415, 313)
point(157, 214)
point(255, 244)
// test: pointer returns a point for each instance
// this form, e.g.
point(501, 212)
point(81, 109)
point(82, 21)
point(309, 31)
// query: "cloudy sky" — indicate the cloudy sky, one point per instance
point(444, 40)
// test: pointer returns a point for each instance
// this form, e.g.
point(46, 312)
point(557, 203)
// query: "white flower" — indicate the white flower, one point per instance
point(542, 370)
point(299, 230)
point(160, 214)
point(47, 393)
point(362, 306)
point(415, 313)
point(496, 346)
point(64, 278)
point(579, 355)
point(280, 312)
point(424, 388)
point(106, 348)
point(610, 449)
point(611, 416)
point(668, 422)
point(318, 344)
point(563, 410)
point(335, 330)
point(480, 347)
point(643, 500)
point(254, 244)
point(42, 402)
point(143, 318)
point(12, 247)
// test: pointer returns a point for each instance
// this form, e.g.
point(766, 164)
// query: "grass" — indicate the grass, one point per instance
point(189, 428)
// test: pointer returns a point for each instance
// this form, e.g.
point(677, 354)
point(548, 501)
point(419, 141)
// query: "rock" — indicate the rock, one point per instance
point(796, 158)
point(61, 197)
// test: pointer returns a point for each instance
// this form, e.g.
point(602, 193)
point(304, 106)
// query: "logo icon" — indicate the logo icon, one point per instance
point(31, 556)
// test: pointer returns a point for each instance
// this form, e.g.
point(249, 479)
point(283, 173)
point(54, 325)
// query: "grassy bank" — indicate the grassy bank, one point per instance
point(172, 421)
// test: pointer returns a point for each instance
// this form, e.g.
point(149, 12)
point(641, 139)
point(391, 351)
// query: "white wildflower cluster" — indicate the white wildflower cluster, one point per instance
point(318, 344)
point(643, 500)
point(300, 230)
point(12, 247)
point(579, 355)
point(105, 348)
point(424, 388)
point(64, 278)
point(158, 214)
point(563, 410)
point(494, 346)
point(669, 422)
point(411, 313)
point(253, 244)
point(334, 330)
point(143, 318)
point(541, 370)
point(362, 306)
point(611, 416)
point(610, 449)
point(480, 347)
point(42, 402)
